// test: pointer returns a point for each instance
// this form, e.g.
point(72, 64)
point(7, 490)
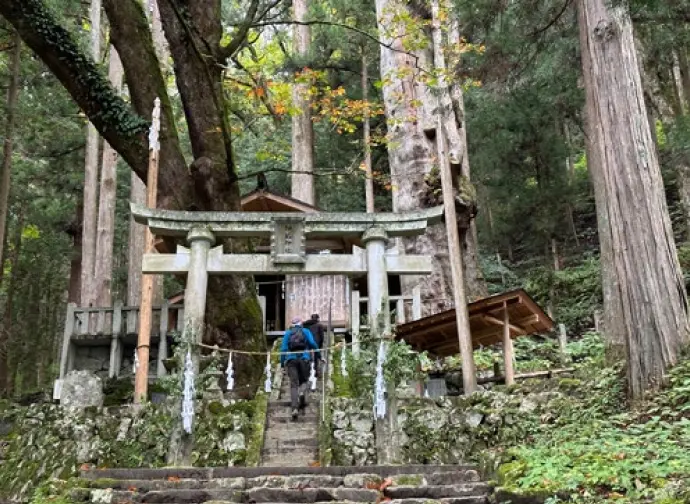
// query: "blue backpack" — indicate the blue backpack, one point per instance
point(296, 340)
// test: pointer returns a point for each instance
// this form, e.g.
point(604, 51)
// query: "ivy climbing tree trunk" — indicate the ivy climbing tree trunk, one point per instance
point(302, 128)
point(194, 32)
point(90, 214)
point(103, 267)
point(645, 302)
point(7, 148)
point(411, 110)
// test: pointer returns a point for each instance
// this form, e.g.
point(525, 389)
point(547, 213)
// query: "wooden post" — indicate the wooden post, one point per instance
point(67, 340)
point(417, 303)
point(597, 320)
point(507, 348)
point(262, 304)
point(355, 319)
point(163, 341)
point(400, 311)
point(469, 378)
point(562, 339)
point(114, 367)
point(141, 380)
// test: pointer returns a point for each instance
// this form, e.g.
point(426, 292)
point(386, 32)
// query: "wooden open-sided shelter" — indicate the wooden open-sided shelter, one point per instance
point(495, 319)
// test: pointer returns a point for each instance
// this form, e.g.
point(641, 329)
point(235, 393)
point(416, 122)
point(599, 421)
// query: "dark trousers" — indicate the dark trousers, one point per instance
point(298, 371)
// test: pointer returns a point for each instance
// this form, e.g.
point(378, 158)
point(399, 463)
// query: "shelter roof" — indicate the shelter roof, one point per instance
point(437, 334)
point(264, 200)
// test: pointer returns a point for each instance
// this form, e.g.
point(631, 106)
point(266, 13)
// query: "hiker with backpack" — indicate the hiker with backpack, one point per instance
point(297, 339)
point(317, 331)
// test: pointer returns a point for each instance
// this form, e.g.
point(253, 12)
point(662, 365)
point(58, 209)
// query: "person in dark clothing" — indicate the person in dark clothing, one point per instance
point(297, 339)
point(318, 332)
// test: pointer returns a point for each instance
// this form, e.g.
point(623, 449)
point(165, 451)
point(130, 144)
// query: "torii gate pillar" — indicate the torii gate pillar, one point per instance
point(200, 241)
point(375, 240)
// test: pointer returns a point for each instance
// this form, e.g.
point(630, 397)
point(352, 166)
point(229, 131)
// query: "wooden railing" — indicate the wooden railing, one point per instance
point(398, 308)
point(113, 326)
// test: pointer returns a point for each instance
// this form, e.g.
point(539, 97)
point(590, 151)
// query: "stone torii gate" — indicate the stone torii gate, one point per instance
point(288, 233)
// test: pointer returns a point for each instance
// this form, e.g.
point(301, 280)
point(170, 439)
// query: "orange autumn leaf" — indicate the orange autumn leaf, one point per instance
point(174, 478)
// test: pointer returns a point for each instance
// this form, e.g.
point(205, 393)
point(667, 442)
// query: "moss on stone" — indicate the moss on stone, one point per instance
point(408, 480)
point(256, 437)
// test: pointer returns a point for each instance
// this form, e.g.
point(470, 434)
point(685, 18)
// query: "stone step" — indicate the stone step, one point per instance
point(144, 485)
point(309, 495)
point(300, 481)
point(470, 499)
point(207, 473)
point(296, 445)
point(435, 492)
point(280, 461)
point(285, 417)
point(300, 432)
point(186, 496)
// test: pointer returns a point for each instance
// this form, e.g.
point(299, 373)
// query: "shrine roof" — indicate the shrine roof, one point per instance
point(264, 200)
point(437, 334)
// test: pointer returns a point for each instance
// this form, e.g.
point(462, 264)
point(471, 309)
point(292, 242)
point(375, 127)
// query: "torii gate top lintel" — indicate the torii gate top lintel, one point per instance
point(227, 224)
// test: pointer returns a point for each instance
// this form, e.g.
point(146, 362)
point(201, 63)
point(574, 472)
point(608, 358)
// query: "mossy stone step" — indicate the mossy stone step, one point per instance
point(310, 495)
point(472, 499)
point(208, 473)
point(435, 492)
point(301, 481)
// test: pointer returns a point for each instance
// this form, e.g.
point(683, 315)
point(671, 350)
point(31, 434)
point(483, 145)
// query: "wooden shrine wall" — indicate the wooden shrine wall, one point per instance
point(305, 295)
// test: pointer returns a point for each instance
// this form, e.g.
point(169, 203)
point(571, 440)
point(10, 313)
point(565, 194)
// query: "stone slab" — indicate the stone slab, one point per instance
point(435, 491)
point(250, 472)
point(190, 496)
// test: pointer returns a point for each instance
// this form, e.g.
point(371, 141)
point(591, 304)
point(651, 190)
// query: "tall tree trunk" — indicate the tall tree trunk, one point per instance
point(369, 182)
point(74, 230)
point(137, 233)
point(644, 293)
point(103, 267)
point(10, 109)
point(89, 228)
point(684, 67)
point(570, 173)
point(302, 128)
point(411, 110)
point(6, 334)
point(476, 286)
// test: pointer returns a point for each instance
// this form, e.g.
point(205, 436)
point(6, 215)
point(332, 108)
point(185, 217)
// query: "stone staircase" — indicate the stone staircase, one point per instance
point(293, 485)
point(289, 443)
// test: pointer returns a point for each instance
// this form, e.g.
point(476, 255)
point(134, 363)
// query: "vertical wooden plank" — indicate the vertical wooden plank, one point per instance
point(355, 318)
point(262, 304)
point(163, 341)
point(132, 314)
point(400, 311)
point(114, 366)
point(67, 339)
point(507, 348)
point(180, 319)
point(100, 320)
point(416, 303)
point(83, 318)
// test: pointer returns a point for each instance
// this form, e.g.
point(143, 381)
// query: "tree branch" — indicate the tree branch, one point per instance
point(238, 40)
point(131, 36)
point(124, 130)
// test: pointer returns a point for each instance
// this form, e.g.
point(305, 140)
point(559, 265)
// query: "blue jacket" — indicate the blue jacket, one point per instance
point(304, 356)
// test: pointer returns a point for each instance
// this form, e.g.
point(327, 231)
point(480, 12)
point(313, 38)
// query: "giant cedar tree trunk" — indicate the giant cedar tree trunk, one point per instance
point(644, 293)
point(103, 265)
point(89, 226)
point(410, 112)
point(302, 128)
point(193, 31)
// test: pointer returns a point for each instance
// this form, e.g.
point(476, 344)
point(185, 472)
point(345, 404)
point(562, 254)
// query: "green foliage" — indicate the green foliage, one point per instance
point(577, 291)
point(597, 450)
